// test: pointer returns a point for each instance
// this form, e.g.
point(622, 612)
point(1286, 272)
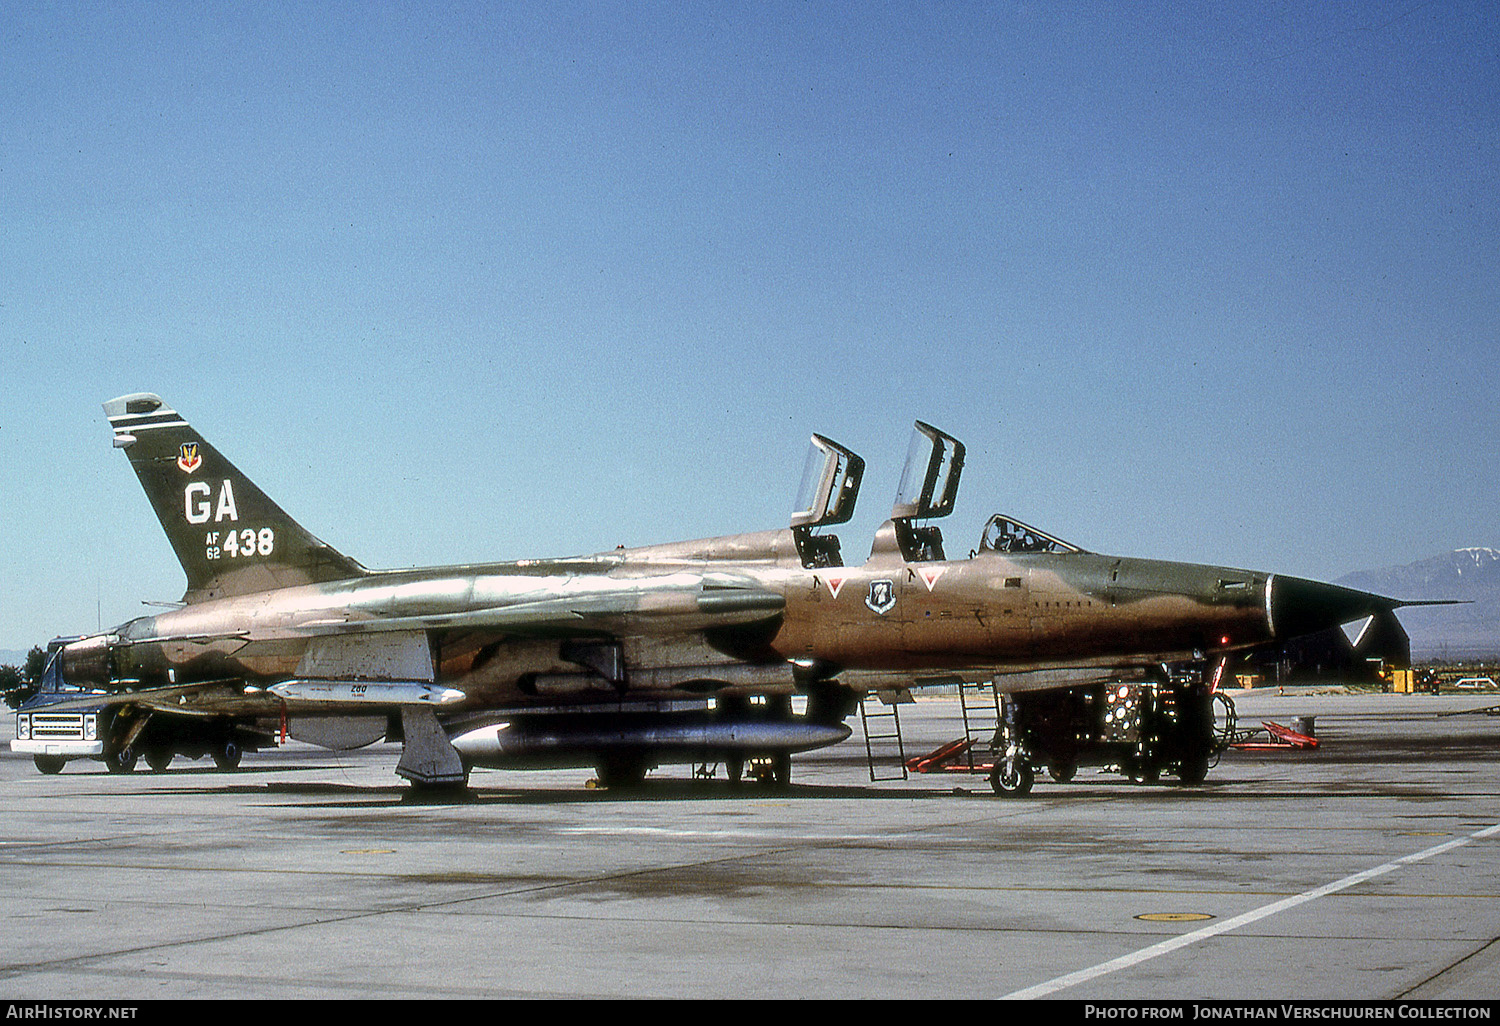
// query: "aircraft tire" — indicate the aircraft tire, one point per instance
point(122, 761)
point(227, 756)
point(621, 773)
point(1013, 780)
point(1062, 772)
point(781, 770)
point(49, 764)
point(159, 759)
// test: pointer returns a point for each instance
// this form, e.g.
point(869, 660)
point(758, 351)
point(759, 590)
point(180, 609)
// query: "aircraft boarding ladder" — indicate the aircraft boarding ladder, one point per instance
point(980, 702)
point(882, 732)
point(974, 752)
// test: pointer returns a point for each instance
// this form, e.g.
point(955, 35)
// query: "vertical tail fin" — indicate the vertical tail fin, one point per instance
point(230, 538)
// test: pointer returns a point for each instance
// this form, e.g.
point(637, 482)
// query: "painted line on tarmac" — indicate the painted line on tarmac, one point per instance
point(731, 834)
point(1244, 919)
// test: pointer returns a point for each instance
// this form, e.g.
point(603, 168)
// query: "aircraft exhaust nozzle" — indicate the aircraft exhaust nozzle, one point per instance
point(1300, 607)
point(88, 660)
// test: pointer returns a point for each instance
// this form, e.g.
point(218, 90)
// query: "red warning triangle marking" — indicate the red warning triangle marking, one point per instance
point(835, 583)
point(930, 575)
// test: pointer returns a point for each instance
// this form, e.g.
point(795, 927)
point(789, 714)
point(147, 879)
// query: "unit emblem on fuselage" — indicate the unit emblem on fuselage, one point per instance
point(882, 597)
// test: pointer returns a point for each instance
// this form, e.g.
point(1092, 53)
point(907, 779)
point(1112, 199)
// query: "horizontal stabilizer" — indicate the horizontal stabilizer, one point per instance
point(233, 698)
point(209, 698)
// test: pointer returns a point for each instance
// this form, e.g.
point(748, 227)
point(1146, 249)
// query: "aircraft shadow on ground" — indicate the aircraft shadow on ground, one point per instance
point(399, 795)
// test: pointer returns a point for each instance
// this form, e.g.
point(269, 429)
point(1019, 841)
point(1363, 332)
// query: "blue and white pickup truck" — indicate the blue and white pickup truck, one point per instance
point(55, 728)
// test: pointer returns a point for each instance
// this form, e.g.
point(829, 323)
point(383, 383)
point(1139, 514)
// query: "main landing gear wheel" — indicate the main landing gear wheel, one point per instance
point(158, 759)
point(122, 761)
point(1012, 779)
point(772, 771)
point(621, 774)
point(49, 764)
point(781, 770)
point(227, 756)
point(1062, 772)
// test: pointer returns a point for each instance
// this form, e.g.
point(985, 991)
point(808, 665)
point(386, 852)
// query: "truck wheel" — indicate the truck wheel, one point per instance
point(49, 763)
point(159, 759)
point(122, 761)
point(227, 756)
point(1062, 772)
point(1193, 770)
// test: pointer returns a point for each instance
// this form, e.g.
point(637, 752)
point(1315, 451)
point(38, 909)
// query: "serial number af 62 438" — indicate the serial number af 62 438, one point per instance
point(240, 544)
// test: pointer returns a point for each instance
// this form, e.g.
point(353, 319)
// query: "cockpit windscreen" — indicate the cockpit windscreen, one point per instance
point(1002, 534)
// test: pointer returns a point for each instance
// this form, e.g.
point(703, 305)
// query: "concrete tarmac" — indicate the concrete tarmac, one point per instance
point(1367, 869)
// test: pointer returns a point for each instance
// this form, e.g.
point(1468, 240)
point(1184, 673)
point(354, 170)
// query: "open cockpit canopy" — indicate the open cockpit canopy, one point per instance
point(830, 486)
point(929, 480)
point(1010, 536)
point(929, 486)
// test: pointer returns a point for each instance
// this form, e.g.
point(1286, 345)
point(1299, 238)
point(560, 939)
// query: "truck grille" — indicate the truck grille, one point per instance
point(57, 726)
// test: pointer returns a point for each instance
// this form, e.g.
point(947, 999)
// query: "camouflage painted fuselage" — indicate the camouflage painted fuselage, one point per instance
point(275, 622)
point(887, 620)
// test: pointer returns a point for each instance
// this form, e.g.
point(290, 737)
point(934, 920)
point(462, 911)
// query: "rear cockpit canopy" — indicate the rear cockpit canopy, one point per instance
point(929, 486)
point(929, 480)
point(1009, 536)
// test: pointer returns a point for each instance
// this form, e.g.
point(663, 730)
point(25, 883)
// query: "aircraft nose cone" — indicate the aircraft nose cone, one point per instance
point(1301, 607)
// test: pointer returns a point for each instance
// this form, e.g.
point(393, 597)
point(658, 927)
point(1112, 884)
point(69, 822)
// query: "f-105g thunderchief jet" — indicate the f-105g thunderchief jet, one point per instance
point(690, 652)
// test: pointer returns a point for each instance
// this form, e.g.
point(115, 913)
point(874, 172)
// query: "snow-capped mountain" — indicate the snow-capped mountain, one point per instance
point(1470, 575)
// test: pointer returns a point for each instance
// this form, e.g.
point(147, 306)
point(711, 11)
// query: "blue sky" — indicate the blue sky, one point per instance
point(460, 282)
